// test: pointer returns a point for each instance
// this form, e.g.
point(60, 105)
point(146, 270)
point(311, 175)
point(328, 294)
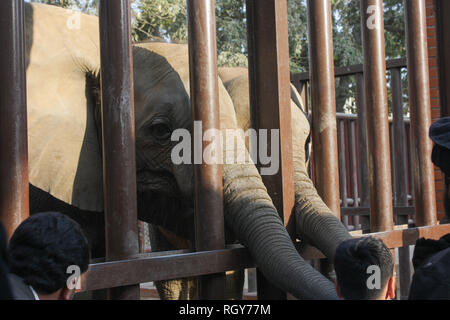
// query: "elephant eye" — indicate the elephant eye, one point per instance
point(160, 131)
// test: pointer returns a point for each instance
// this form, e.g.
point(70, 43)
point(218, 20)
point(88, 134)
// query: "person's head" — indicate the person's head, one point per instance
point(364, 270)
point(42, 249)
point(431, 261)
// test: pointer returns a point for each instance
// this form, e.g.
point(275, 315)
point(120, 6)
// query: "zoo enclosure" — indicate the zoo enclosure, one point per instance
point(124, 268)
point(352, 144)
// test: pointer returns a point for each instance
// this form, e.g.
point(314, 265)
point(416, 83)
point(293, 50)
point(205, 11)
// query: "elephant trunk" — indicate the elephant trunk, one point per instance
point(252, 216)
point(314, 221)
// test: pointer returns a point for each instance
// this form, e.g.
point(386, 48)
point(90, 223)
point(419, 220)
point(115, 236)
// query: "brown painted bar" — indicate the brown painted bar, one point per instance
point(419, 100)
point(209, 222)
point(165, 265)
point(14, 207)
point(443, 27)
point(365, 211)
point(354, 169)
point(323, 102)
point(343, 168)
point(381, 217)
point(270, 105)
point(179, 264)
point(362, 149)
point(119, 164)
point(351, 70)
point(400, 187)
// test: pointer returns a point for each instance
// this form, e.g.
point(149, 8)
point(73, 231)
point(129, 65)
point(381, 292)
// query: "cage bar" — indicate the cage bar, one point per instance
point(209, 222)
point(14, 203)
point(119, 164)
point(419, 100)
point(323, 102)
point(377, 124)
point(270, 105)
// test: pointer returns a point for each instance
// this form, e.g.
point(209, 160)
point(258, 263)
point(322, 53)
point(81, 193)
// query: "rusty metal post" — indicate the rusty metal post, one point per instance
point(119, 164)
point(14, 207)
point(270, 105)
point(381, 209)
point(419, 98)
point(354, 170)
point(343, 183)
point(400, 192)
point(209, 220)
point(362, 150)
point(323, 103)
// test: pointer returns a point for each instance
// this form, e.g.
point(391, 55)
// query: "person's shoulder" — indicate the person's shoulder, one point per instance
point(20, 290)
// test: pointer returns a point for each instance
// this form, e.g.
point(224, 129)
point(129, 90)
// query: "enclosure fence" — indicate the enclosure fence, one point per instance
point(124, 267)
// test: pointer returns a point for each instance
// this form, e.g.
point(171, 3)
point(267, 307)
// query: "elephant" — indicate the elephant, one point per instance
point(65, 158)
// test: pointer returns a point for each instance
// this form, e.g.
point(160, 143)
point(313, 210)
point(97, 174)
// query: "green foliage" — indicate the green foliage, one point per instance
point(160, 19)
point(166, 20)
point(86, 6)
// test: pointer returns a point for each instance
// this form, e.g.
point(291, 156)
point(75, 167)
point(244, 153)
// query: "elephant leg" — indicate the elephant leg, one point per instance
point(178, 289)
point(234, 284)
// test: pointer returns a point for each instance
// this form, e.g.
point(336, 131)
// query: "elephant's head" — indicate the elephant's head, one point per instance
point(65, 151)
point(162, 105)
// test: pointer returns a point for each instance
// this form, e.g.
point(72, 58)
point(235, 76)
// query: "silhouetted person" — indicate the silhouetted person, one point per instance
point(45, 251)
point(364, 270)
point(431, 261)
point(440, 134)
point(5, 290)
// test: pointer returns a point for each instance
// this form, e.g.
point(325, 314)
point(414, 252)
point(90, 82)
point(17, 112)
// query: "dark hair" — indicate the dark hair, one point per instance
point(43, 247)
point(351, 262)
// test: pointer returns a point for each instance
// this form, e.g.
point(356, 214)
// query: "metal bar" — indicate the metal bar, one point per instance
point(175, 264)
point(443, 25)
point(14, 206)
point(354, 170)
point(119, 167)
point(377, 115)
point(351, 70)
point(209, 220)
point(400, 187)
point(165, 265)
point(271, 105)
point(343, 168)
point(419, 101)
point(323, 101)
point(400, 192)
point(362, 148)
point(365, 211)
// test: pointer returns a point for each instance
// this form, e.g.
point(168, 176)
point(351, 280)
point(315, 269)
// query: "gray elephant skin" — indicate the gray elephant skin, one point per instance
point(65, 160)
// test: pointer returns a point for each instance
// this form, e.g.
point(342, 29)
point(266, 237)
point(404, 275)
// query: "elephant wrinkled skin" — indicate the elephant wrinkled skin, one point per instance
point(65, 160)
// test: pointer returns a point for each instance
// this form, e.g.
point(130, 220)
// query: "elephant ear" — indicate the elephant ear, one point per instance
point(63, 63)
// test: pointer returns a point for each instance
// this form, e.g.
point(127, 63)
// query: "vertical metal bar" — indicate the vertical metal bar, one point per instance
point(270, 105)
point(400, 191)
point(362, 148)
point(354, 168)
point(343, 168)
point(419, 100)
point(119, 164)
point(381, 210)
point(209, 221)
point(324, 137)
point(14, 207)
point(443, 25)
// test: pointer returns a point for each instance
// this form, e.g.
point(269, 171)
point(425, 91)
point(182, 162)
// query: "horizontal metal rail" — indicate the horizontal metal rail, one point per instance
point(351, 70)
point(179, 264)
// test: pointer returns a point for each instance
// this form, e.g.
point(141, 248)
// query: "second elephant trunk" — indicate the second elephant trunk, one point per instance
point(314, 221)
point(252, 216)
